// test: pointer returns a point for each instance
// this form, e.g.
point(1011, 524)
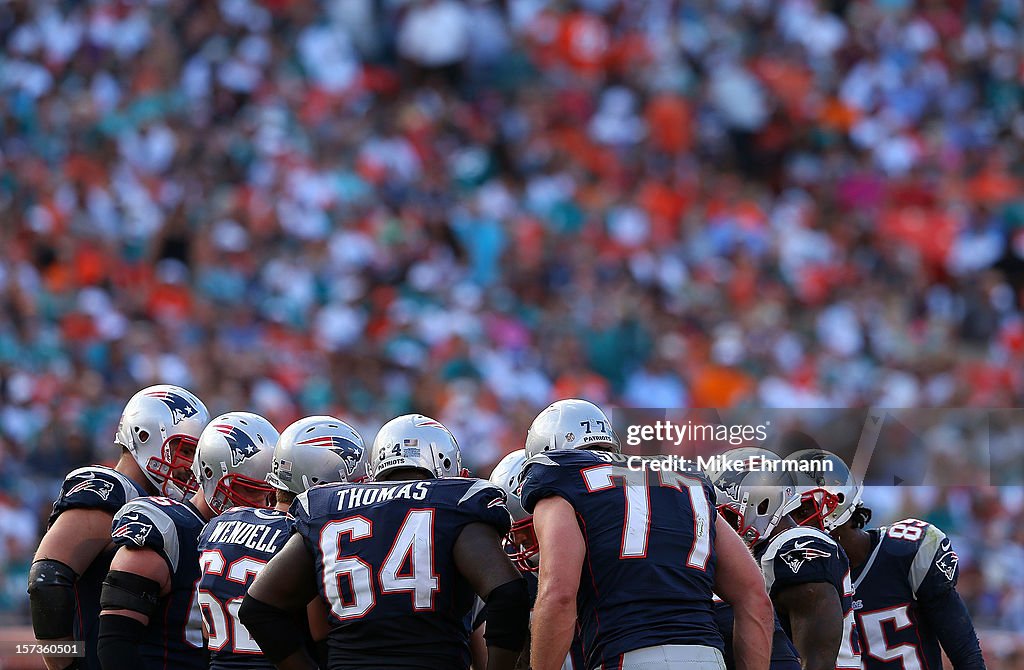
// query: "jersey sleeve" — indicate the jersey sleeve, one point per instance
point(92, 488)
point(935, 568)
point(142, 524)
point(485, 502)
point(802, 559)
point(542, 480)
point(299, 520)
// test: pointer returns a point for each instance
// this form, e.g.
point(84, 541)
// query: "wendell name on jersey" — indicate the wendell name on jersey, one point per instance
point(907, 603)
point(805, 555)
point(248, 528)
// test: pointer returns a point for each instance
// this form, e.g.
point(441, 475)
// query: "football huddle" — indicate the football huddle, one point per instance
point(222, 543)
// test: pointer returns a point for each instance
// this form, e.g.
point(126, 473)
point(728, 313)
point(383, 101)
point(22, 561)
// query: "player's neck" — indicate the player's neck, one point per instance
point(199, 501)
point(855, 542)
point(128, 467)
point(785, 523)
point(282, 507)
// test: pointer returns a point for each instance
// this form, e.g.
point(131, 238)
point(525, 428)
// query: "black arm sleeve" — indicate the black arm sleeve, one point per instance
point(51, 595)
point(273, 628)
point(949, 618)
point(118, 644)
point(508, 616)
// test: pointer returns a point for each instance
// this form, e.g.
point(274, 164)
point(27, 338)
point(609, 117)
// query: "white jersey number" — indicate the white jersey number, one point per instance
point(413, 546)
point(872, 623)
point(637, 526)
point(222, 618)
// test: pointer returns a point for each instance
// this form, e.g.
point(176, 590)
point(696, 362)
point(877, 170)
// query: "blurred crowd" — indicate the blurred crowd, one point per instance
point(470, 207)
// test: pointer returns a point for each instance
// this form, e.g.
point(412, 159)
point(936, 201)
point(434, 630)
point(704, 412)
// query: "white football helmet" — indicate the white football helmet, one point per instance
point(416, 441)
point(160, 427)
point(520, 542)
point(751, 496)
point(234, 456)
point(571, 424)
point(317, 450)
point(828, 495)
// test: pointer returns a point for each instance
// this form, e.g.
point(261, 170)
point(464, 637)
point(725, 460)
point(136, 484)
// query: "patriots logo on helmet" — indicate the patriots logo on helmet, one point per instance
point(800, 554)
point(346, 450)
point(135, 530)
point(180, 407)
point(100, 487)
point(947, 564)
point(239, 442)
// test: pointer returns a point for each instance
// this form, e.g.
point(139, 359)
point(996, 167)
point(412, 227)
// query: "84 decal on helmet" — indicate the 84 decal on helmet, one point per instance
point(800, 554)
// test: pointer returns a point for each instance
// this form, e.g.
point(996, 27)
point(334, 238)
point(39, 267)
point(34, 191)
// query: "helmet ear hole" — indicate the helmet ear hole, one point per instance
point(841, 497)
point(142, 434)
point(447, 463)
point(762, 507)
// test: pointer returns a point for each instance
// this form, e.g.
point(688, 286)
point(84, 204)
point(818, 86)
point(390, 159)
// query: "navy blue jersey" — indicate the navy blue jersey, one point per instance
point(805, 555)
point(385, 567)
point(233, 548)
point(784, 656)
point(574, 661)
point(650, 564)
point(911, 569)
point(105, 489)
point(174, 638)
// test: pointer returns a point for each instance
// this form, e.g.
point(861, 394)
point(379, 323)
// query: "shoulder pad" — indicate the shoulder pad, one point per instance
point(933, 547)
point(142, 523)
point(482, 487)
point(300, 506)
point(94, 487)
point(795, 548)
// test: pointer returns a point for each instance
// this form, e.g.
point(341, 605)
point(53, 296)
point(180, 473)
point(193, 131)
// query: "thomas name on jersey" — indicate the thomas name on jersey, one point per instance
point(357, 496)
point(251, 535)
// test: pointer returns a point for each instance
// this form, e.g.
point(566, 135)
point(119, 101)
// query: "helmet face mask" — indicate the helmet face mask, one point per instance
point(235, 490)
point(828, 496)
point(160, 428)
point(174, 471)
point(521, 545)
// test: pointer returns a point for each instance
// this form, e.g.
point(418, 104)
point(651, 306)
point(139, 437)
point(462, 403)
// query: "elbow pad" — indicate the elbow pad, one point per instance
point(128, 591)
point(51, 594)
point(508, 616)
point(273, 628)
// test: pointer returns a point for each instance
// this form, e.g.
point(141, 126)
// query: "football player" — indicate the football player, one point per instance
point(521, 545)
point(397, 561)
point(157, 435)
point(904, 576)
point(636, 553)
point(806, 572)
point(236, 545)
point(149, 616)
